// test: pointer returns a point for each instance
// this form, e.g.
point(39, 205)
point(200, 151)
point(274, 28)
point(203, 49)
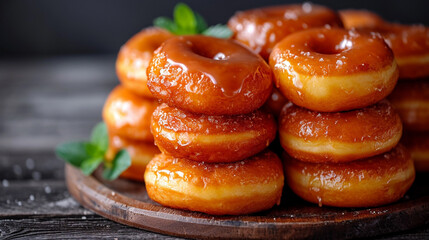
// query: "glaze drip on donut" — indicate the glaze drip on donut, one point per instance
point(209, 75)
point(226, 66)
point(331, 70)
point(333, 52)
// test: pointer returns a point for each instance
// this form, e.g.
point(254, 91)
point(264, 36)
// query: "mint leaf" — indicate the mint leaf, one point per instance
point(89, 165)
point(219, 31)
point(72, 152)
point(185, 19)
point(166, 23)
point(121, 162)
point(99, 137)
point(201, 23)
point(93, 150)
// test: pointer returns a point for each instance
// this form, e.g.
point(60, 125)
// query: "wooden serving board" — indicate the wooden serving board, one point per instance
point(127, 202)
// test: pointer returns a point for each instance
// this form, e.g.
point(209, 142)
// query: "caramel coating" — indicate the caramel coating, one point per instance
point(411, 101)
point(353, 18)
point(410, 46)
point(330, 70)
point(140, 152)
point(134, 56)
point(339, 137)
point(128, 115)
point(275, 102)
point(207, 138)
point(369, 182)
point(242, 187)
point(209, 75)
point(262, 28)
point(418, 144)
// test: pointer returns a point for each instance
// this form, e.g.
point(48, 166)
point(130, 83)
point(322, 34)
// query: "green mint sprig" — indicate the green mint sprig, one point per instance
point(188, 22)
point(88, 155)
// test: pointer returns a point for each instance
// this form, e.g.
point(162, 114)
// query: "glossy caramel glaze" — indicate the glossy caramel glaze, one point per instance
point(209, 75)
point(140, 152)
point(207, 138)
point(128, 115)
point(354, 18)
point(411, 100)
point(242, 187)
point(331, 70)
point(275, 102)
point(134, 56)
point(410, 44)
point(369, 182)
point(340, 136)
point(418, 145)
point(262, 28)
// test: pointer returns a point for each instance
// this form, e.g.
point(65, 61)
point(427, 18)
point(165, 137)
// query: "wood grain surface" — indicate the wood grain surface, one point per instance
point(46, 101)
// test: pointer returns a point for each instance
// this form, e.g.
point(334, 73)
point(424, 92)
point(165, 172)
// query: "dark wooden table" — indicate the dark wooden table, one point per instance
point(44, 102)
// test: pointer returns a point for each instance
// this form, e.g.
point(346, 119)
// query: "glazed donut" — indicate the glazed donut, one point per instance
point(330, 70)
point(134, 57)
point(410, 46)
point(353, 18)
point(261, 28)
point(275, 102)
point(341, 136)
point(369, 182)
point(411, 100)
point(206, 138)
point(209, 75)
point(128, 115)
point(418, 144)
point(140, 152)
point(242, 187)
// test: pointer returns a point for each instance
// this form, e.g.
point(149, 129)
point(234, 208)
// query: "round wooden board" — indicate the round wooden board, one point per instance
point(127, 202)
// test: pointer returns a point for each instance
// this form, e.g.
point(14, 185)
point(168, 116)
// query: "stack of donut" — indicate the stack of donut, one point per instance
point(339, 134)
point(129, 107)
point(262, 28)
point(210, 130)
point(410, 45)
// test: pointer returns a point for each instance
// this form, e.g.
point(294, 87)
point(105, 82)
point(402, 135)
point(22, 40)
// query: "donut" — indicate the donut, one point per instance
point(410, 46)
point(261, 28)
point(341, 136)
point(275, 102)
point(140, 152)
point(411, 101)
point(242, 187)
point(368, 182)
point(128, 115)
point(330, 70)
point(353, 18)
point(133, 58)
point(207, 138)
point(418, 144)
point(209, 75)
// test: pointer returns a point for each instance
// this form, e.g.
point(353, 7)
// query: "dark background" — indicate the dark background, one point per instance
point(51, 27)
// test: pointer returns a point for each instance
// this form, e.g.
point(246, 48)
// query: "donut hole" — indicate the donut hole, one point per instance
point(324, 45)
point(210, 53)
